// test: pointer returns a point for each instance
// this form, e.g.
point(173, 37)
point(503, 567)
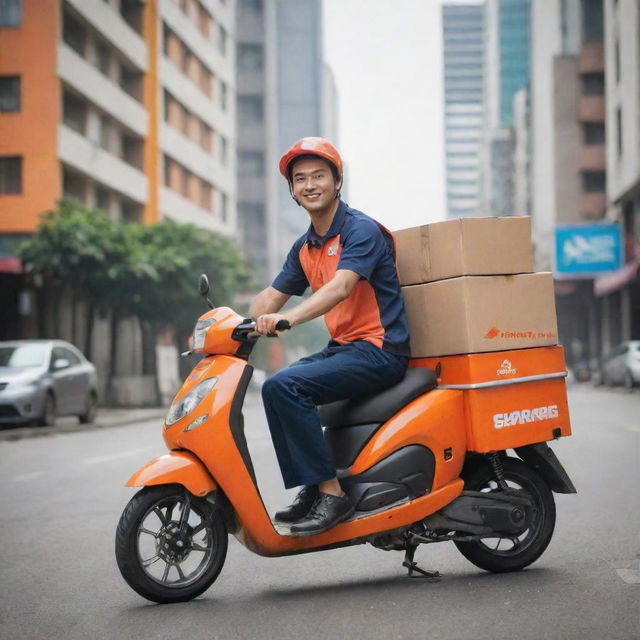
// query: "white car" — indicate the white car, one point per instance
point(43, 379)
point(623, 365)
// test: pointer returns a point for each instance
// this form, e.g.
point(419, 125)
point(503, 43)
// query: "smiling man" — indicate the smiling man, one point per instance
point(348, 260)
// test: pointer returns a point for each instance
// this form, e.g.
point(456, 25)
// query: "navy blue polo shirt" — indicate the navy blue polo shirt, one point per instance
point(375, 310)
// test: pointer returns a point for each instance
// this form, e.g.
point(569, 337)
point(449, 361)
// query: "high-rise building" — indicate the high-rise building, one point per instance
point(507, 64)
point(463, 55)
point(285, 92)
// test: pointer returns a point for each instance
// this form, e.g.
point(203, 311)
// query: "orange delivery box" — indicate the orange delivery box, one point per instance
point(511, 398)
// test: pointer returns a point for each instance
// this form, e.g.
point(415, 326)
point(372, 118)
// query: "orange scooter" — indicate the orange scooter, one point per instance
point(423, 462)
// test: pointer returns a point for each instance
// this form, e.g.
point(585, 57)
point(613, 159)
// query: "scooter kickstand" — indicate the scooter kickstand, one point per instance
point(412, 566)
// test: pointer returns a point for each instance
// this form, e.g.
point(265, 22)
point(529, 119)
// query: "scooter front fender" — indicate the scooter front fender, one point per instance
point(175, 467)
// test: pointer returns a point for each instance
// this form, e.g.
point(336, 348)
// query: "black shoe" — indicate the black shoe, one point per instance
point(327, 512)
point(301, 505)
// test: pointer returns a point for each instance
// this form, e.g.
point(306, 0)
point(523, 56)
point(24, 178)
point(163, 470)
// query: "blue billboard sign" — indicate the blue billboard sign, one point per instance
point(586, 251)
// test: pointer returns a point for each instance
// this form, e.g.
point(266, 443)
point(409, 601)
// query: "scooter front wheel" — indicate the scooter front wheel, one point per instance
point(170, 545)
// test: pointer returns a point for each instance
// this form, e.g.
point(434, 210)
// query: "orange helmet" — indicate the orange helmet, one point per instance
point(315, 147)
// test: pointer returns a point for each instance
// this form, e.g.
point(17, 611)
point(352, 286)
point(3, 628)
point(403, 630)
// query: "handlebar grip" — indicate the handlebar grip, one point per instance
point(283, 325)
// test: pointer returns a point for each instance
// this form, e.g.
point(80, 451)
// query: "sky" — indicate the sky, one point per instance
point(386, 56)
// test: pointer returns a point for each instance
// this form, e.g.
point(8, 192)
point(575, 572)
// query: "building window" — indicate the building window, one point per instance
point(11, 175)
point(224, 205)
point(74, 34)
point(223, 95)
point(103, 199)
point(9, 94)
point(593, 84)
point(250, 57)
point(592, 19)
point(594, 181)
point(206, 196)
point(222, 40)
point(103, 58)
point(74, 186)
point(74, 112)
point(131, 82)
point(10, 13)
point(251, 6)
point(619, 130)
point(593, 133)
point(250, 109)
point(250, 164)
point(132, 13)
point(223, 150)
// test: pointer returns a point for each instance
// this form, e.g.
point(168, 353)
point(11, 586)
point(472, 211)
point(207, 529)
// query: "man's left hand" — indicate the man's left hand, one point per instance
point(266, 323)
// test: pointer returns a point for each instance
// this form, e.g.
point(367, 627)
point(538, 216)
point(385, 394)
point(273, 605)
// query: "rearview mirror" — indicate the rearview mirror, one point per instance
point(203, 284)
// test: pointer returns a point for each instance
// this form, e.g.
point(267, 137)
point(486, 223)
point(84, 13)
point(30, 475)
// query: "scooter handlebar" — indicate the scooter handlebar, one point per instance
point(282, 325)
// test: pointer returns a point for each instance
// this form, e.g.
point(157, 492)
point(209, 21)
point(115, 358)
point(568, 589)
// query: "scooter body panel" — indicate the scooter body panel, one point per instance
point(434, 420)
point(175, 467)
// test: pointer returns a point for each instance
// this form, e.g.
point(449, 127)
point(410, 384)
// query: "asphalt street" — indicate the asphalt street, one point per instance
point(62, 495)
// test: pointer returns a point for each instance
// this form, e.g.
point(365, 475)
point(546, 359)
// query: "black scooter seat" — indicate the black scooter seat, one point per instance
point(378, 407)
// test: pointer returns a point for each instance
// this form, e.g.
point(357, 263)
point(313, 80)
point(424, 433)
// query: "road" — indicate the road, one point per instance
point(62, 496)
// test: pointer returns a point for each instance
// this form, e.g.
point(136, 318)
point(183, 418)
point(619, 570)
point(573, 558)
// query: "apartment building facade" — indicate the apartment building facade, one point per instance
point(285, 92)
point(122, 105)
point(618, 293)
point(463, 56)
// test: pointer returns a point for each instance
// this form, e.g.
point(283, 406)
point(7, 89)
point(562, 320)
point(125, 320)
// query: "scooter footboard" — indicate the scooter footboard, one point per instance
point(175, 467)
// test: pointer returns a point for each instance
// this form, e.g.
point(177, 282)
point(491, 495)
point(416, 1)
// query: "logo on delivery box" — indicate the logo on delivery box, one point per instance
point(506, 369)
point(513, 418)
point(494, 332)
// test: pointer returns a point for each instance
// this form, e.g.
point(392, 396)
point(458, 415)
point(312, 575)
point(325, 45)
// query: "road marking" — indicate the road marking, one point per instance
point(28, 476)
point(635, 427)
point(630, 576)
point(115, 456)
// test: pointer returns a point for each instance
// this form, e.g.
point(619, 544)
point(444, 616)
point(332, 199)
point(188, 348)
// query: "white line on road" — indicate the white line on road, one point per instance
point(28, 476)
point(635, 428)
point(630, 576)
point(116, 456)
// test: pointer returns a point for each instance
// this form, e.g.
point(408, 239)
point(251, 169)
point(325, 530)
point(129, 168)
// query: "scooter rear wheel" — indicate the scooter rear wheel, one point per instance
point(501, 554)
point(170, 546)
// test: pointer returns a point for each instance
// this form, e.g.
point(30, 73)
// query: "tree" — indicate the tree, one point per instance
point(133, 270)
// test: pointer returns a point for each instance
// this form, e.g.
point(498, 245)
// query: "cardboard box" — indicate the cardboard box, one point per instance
point(502, 410)
point(464, 246)
point(475, 314)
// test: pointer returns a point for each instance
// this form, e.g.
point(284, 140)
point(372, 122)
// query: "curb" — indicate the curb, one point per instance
point(70, 425)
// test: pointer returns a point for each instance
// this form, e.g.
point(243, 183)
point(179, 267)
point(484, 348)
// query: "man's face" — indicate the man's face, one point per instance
point(313, 184)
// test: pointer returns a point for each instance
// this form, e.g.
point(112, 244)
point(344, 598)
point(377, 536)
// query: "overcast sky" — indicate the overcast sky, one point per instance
point(386, 56)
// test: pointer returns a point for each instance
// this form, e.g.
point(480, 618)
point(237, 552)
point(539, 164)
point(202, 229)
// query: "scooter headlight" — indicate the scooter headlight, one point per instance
point(183, 407)
point(200, 332)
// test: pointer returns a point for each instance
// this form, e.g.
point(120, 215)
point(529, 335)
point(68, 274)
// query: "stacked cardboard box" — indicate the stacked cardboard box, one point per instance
point(469, 287)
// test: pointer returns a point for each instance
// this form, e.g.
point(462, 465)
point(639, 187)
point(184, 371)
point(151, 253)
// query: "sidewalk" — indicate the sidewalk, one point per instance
point(107, 417)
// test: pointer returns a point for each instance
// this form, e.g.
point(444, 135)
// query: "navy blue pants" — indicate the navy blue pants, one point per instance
point(291, 395)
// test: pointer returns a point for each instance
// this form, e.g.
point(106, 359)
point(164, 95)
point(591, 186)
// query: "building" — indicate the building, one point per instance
point(122, 105)
point(618, 293)
point(278, 103)
point(463, 54)
point(507, 65)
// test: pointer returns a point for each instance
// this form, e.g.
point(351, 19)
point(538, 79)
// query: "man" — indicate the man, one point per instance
point(348, 260)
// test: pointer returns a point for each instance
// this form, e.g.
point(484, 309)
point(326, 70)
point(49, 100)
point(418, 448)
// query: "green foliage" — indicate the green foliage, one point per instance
point(147, 271)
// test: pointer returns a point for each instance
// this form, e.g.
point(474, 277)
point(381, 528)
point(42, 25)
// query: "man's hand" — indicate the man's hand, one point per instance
point(266, 323)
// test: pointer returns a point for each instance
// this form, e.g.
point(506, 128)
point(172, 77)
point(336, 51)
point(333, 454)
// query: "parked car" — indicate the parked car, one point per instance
point(43, 379)
point(623, 365)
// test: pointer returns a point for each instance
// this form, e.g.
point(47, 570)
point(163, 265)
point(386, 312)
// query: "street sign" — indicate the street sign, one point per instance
point(587, 251)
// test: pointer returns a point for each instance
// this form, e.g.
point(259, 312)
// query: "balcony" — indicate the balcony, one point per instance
point(82, 155)
point(591, 108)
point(110, 24)
point(591, 57)
point(89, 82)
point(592, 206)
point(593, 158)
